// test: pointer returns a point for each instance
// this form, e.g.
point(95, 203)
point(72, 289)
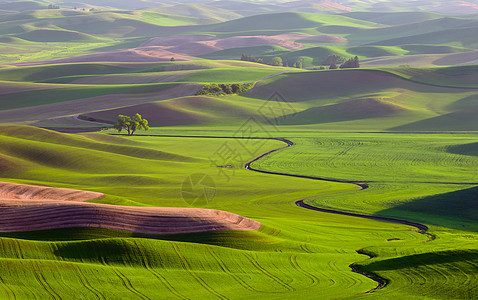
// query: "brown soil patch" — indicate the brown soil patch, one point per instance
point(29, 208)
point(15, 191)
point(196, 48)
point(336, 5)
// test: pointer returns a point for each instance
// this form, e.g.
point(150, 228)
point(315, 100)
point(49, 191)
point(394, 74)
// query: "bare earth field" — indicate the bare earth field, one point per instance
point(30, 208)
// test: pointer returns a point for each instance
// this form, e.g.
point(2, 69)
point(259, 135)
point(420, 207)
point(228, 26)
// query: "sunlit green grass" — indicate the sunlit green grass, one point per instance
point(415, 177)
point(296, 251)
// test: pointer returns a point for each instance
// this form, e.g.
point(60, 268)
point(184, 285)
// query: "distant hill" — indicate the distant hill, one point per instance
point(199, 10)
point(398, 18)
point(287, 22)
point(212, 31)
point(19, 6)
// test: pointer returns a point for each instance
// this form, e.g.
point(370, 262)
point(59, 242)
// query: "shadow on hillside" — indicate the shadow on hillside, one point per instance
point(416, 260)
point(470, 149)
point(464, 103)
point(230, 239)
point(356, 109)
point(462, 120)
point(456, 210)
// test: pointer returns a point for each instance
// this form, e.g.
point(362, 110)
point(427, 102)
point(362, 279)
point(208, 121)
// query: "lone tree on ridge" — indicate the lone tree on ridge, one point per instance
point(131, 124)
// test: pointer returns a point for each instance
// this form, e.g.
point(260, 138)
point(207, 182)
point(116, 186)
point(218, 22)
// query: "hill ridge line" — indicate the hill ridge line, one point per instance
point(415, 81)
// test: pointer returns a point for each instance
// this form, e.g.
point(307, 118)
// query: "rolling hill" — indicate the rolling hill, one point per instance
point(382, 99)
point(253, 181)
point(43, 35)
point(199, 10)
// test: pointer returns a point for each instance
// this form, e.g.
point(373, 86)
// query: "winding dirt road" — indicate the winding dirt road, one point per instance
point(381, 282)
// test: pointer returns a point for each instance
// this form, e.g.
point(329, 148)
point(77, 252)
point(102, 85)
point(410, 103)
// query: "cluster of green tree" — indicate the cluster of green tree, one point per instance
point(299, 64)
point(131, 124)
point(225, 88)
point(275, 61)
point(249, 57)
point(334, 60)
point(84, 9)
point(53, 6)
point(351, 63)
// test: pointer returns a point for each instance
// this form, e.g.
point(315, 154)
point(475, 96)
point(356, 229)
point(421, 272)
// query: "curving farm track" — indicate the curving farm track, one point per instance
point(381, 282)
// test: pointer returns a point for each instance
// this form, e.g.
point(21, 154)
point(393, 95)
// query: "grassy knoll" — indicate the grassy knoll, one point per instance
point(295, 253)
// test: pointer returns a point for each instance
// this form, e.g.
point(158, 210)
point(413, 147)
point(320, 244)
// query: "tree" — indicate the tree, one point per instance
point(333, 66)
point(276, 61)
point(236, 88)
point(357, 62)
point(123, 122)
point(138, 123)
point(333, 59)
point(131, 124)
point(172, 59)
point(351, 63)
point(226, 88)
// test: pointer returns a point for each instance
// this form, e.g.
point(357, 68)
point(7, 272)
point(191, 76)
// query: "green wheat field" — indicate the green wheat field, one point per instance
point(363, 180)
